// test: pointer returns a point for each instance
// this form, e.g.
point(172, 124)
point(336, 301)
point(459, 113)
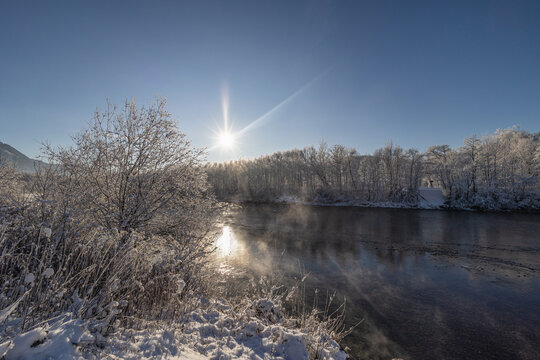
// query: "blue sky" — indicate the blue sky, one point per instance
point(417, 73)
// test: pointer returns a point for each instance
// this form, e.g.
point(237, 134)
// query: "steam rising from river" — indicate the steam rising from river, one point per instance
point(410, 274)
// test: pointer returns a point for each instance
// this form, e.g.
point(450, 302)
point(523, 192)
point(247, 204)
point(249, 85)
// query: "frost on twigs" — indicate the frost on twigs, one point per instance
point(129, 209)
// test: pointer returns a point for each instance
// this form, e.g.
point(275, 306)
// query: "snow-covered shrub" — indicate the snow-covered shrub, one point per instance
point(132, 169)
point(85, 274)
point(122, 219)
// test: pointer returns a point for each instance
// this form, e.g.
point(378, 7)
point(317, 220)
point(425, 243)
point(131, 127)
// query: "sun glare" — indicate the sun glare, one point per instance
point(226, 140)
point(226, 243)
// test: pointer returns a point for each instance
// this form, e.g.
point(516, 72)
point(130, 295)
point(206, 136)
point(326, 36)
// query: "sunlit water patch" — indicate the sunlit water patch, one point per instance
point(227, 244)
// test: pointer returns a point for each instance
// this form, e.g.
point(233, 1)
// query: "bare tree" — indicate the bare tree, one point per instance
point(472, 145)
point(132, 169)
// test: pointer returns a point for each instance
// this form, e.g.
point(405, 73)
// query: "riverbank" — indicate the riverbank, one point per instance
point(429, 199)
point(216, 329)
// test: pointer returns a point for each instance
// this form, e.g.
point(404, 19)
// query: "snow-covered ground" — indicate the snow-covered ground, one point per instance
point(215, 331)
point(430, 198)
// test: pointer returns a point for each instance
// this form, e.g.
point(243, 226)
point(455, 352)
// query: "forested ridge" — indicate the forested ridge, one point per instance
point(495, 172)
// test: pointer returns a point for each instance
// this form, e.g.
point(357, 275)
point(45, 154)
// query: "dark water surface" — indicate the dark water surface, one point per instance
point(428, 284)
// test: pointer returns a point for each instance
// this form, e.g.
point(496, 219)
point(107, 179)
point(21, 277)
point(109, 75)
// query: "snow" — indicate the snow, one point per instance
point(181, 284)
point(56, 341)
point(214, 331)
point(344, 203)
point(260, 332)
point(431, 198)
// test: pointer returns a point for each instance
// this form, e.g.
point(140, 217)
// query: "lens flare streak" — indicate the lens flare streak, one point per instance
point(226, 138)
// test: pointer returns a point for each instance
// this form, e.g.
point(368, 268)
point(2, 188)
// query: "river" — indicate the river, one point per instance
point(426, 284)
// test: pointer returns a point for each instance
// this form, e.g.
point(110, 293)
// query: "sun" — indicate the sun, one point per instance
point(226, 140)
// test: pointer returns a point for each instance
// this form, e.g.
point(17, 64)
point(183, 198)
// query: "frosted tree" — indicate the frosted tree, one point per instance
point(132, 169)
point(471, 149)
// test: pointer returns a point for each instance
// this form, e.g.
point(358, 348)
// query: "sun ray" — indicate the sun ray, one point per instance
point(260, 120)
point(225, 107)
point(226, 139)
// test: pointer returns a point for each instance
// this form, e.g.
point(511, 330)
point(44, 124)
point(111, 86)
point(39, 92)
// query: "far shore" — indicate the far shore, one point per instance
point(381, 205)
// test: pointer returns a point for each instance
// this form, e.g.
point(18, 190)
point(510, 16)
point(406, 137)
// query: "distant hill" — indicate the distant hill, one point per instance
point(22, 162)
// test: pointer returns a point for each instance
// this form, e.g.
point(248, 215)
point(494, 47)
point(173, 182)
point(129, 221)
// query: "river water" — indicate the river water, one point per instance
point(426, 284)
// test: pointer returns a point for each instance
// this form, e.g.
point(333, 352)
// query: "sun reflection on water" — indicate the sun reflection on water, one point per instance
point(227, 244)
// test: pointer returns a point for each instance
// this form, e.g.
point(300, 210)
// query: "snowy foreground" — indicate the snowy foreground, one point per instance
point(212, 332)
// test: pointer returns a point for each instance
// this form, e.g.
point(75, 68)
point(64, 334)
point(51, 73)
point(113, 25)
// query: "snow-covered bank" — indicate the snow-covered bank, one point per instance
point(350, 202)
point(214, 331)
point(428, 198)
point(293, 200)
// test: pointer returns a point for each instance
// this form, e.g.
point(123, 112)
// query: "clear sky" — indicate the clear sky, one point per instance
point(360, 73)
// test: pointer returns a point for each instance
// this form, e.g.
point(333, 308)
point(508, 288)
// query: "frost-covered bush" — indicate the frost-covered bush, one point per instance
point(46, 272)
point(117, 228)
point(132, 169)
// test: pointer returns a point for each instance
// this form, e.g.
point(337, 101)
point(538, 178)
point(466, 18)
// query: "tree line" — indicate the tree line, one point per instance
point(497, 171)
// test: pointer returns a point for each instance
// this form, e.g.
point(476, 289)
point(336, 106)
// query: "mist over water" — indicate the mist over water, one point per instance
point(428, 284)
